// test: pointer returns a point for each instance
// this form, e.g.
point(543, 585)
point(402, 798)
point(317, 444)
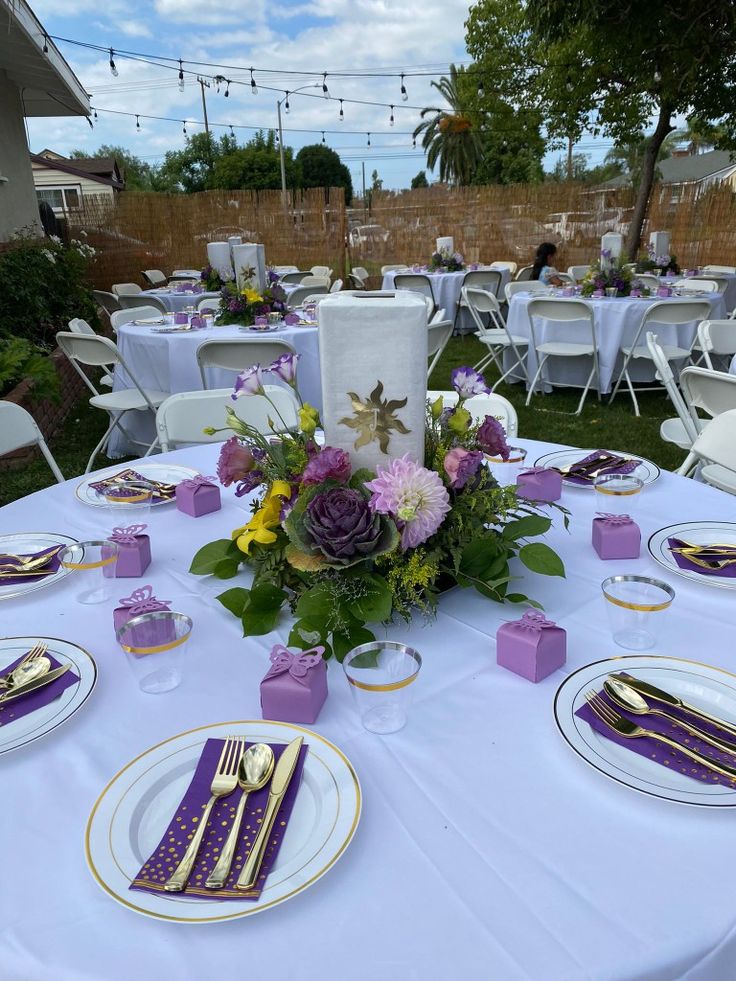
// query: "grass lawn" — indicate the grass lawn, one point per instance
point(549, 417)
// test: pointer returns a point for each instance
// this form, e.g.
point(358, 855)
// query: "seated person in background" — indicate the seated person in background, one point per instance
point(542, 270)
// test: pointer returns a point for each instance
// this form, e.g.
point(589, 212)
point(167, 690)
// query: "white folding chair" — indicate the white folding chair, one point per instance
point(82, 349)
point(417, 283)
point(144, 300)
point(18, 428)
point(566, 278)
point(121, 317)
point(715, 447)
point(238, 353)
point(578, 273)
point(321, 271)
point(211, 303)
point(718, 269)
point(79, 326)
point(672, 312)
point(355, 282)
point(361, 272)
point(567, 311)
point(511, 266)
point(108, 301)
point(394, 268)
point(680, 430)
point(154, 277)
point(489, 280)
point(647, 279)
point(126, 289)
point(439, 333)
point(310, 280)
point(298, 296)
point(336, 286)
point(437, 315)
point(480, 406)
point(495, 335)
point(294, 277)
point(716, 338)
point(523, 286)
point(524, 275)
point(696, 284)
point(315, 298)
point(712, 392)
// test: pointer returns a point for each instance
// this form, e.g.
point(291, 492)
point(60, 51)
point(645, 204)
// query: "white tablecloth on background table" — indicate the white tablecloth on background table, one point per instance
point(616, 323)
point(177, 302)
point(729, 294)
point(446, 290)
point(168, 363)
point(486, 849)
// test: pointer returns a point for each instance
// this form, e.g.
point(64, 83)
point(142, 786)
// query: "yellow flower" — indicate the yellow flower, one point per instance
point(308, 419)
point(266, 518)
point(251, 295)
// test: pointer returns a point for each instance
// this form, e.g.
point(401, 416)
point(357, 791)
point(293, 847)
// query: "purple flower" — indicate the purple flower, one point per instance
point(606, 253)
point(329, 464)
point(460, 465)
point(491, 438)
point(285, 368)
point(235, 461)
point(249, 483)
point(248, 382)
point(341, 524)
point(468, 382)
point(415, 498)
point(273, 276)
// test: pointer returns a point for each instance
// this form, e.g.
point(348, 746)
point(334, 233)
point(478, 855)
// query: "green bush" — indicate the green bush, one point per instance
point(19, 360)
point(42, 286)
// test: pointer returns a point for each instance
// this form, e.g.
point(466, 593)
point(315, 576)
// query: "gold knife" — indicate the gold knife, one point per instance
point(659, 695)
point(279, 785)
point(33, 685)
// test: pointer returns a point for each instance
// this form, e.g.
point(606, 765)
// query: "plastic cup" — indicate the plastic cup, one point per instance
point(506, 471)
point(618, 493)
point(95, 564)
point(611, 292)
point(633, 606)
point(380, 675)
point(153, 645)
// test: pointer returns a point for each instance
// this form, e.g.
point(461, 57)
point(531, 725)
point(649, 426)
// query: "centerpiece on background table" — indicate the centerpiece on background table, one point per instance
point(212, 279)
point(446, 260)
point(242, 304)
point(341, 542)
point(653, 262)
point(608, 273)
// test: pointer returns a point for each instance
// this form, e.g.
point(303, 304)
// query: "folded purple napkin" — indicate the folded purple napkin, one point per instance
point(660, 753)
point(158, 493)
point(626, 467)
point(16, 708)
point(170, 850)
point(51, 566)
point(728, 572)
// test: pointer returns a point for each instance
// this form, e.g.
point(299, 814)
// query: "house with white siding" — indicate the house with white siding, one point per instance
point(66, 183)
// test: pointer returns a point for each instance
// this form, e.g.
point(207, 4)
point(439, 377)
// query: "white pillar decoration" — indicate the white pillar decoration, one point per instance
point(612, 244)
point(218, 256)
point(447, 243)
point(246, 256)
point(374, 406)
point(659, 243)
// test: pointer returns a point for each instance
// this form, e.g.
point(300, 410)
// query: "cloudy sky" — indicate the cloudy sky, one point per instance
point(299, 36)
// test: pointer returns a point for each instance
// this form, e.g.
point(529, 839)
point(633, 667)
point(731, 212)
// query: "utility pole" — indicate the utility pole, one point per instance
point(364, 200)
point(204, 84)
point(569, 158)
point(281, 155)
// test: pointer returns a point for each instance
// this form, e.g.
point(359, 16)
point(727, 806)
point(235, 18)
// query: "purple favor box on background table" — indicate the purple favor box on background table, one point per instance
point(616, 536)
point(532, 647)
point(197, 496)
point(539, 484)
point(295, 686)
point(134, 551)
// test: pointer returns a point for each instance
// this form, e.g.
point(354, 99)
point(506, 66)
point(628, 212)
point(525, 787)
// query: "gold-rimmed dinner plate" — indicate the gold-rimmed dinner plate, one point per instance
point(21, 731)
point(27, 543)
point(647, 471)
point(702, 685)
point(164, 473)
point(696, 533)
point(135, 807)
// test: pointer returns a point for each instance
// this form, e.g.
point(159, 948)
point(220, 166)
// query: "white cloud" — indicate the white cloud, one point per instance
point(134, 28)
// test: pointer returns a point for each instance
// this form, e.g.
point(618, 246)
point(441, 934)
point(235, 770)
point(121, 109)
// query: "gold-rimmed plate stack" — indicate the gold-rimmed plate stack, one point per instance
point(702, 533)
point(167, 474)
point(30, 543)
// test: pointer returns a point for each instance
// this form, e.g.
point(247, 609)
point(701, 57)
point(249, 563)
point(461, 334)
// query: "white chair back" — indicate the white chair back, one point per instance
point(142, 300)
point(211, 303)
point(154, 276)
point(361, 272)
point(79, 326)
point(437, 315)
point(717, 337)
point(480, 302)
point(393, 268)
point(336, 286)
point(355, 282)
point(439, 333)
point(417, 282)
point(126, 289)
point(719, 269)
point(712, 391)
point(316, 281)
point(523, 286)
point(480, 406)
point(511, 266)
point(18, 428)
point(293, 277)
point(667, 377)
point(239, 353)
point(121, 317)
point(302, 293)
point(693, 283)
point(647, 279)
point(108, 301)
point(321, 271)
point(524, 274)
point(717, 443)
point(484, 279)
point(578, 273)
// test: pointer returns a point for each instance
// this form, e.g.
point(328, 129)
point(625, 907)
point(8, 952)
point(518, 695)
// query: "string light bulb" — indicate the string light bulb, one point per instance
point(481, 89)
point(342, 114)
point(95, 114)
point(286, 104)
point(113, 69)
point(232, 133)
point(658, 76)
point(184, 126)
point(253, 86)
point(227, 88)
point(137, 124)
point(413, 142)
point(391, 120)
point(404, 93)
point(181, 77)
point(568, 84)
point(369, 139)
point(45, 44)
point(323, 138)
point(325, 90)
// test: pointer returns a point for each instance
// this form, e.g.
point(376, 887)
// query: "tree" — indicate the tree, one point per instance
point(450, 136)
point(192, 169)
point(137, 173)
point(420, 180)
point(615, 69)
point(322, 167)
point(376, 182)
point(254, 166)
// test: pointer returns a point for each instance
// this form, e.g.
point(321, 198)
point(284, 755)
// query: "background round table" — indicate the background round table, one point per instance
point(168, 363)
point(486, 848)
point(178, 302)
point(446, 289)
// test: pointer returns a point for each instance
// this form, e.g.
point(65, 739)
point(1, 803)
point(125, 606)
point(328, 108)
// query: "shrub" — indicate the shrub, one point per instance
point(20, 359)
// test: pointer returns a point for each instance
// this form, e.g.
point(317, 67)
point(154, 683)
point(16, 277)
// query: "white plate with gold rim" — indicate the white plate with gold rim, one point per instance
point(20, 732)
point(28, 543)
point(134, 809)
point(647, 471)
point(696, 533)
point(164, 473)
point(702, 685)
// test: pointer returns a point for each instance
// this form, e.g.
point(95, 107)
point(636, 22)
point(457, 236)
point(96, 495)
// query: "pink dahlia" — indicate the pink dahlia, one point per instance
point(413, 496)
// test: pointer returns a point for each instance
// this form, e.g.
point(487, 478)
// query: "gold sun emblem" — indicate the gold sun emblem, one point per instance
point(374, 418)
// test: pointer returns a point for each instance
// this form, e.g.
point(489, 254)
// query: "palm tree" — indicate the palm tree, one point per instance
point(449, 136)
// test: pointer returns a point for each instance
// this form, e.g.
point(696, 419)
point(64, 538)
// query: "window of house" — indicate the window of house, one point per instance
point(60, 198)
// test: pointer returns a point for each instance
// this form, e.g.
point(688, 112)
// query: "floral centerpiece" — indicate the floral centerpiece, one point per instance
point(242, 304)
point(342, 548)
point(212, 279)
point(605, 274)
point(446, 261)
point(652, 262)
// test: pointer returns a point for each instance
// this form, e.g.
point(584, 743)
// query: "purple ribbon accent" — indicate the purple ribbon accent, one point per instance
point(199, 481)
point(298, 665)
point(534, 622)
point(614, 519)
point(143, 601)
point(127, 536)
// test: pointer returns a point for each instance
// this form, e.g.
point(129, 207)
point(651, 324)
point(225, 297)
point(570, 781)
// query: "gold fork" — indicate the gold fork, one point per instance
point(25, 564)
point(38, 650)
point(224, 782)
point(629, 730)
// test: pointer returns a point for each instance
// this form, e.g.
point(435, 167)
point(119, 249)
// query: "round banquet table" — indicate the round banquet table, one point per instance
point(178, 302)
point(446, 289)
point(486, 848)
point(168, 363)
point(616, 323)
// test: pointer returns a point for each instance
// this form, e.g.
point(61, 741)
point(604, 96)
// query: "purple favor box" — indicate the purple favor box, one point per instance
point(539, 484)
point(139, 602)
point(295, 686)
point(532, 647)
point(616, 536)
point(134, 551)
point(197, 496)
point(664, 291)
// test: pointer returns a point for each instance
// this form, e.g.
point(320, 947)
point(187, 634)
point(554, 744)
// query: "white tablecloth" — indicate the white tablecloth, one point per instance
point(168, 363)
point(486, 849)
point(446, 289)
point(177, 302)
point(616, 323)
point(729, 294)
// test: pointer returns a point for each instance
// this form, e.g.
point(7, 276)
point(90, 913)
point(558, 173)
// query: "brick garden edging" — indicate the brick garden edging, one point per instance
point(49, 415)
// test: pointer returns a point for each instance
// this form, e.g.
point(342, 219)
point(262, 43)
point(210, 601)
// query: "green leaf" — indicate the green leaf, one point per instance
point(520, 598)
point(344, 642)
point(316, 605)
point(265, 596)
point(235, 600)
point(257, 622)
point(527, 527)
point(226, 569)
point(540, 558)
point(376, 604)
point(304, 635)
point(206, 559)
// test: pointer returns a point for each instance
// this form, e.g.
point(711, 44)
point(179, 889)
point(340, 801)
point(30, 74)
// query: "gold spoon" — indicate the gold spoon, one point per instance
point(254, 772)
point(24, 564)
point(27, 671)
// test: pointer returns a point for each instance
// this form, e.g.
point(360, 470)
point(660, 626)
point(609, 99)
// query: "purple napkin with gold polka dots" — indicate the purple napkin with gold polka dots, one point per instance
point(170, 850)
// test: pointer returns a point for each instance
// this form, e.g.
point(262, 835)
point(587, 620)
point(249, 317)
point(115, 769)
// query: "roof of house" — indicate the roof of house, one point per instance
point(685, 170)
point(104, 170)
